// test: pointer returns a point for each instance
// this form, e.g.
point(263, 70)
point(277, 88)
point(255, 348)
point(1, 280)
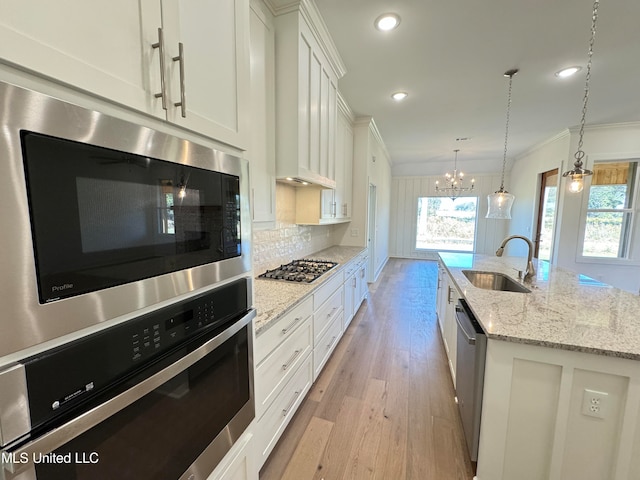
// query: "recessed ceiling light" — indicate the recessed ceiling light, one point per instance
point(387, 21)
point(398, 96)
point(567, 72)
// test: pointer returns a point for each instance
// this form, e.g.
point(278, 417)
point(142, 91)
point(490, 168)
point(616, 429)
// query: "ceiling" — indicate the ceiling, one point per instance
point(450, 56)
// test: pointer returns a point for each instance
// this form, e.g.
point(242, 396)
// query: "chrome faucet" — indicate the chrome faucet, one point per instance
point(531, 271)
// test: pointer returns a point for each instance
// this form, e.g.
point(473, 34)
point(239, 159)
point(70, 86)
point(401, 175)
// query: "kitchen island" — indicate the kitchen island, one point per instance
point(549, 352)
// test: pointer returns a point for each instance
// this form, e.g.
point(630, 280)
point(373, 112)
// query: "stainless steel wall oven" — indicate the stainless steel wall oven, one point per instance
point(125, 277)
point(163, 396)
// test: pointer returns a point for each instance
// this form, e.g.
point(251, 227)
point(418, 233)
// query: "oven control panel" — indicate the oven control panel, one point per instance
point(167, 328)
point(60, 378)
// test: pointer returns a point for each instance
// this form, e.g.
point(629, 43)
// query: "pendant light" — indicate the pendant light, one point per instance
point(500, 202)
point(454, 183)
point(578, 172)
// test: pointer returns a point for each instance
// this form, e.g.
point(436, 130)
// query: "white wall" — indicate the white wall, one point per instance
point(603, 142)
point(404, 211)
point(526, 184)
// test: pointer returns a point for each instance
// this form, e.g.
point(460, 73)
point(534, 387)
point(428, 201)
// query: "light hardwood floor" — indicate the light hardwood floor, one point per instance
point(383, 407)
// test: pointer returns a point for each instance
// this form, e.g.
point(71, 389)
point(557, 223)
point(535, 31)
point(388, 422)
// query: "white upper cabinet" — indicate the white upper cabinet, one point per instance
point(307, 71)
point(206, 52)
point(113, 50)
point(344, 162)
point(98, 47)
point(323, 205)
point(261, 153)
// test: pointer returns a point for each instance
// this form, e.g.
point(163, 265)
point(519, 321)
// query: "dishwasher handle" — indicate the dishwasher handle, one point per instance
point(465, 325)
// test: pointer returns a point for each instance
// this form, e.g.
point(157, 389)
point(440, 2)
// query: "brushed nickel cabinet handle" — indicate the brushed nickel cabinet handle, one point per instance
point(331, 342)
point(163, 90)
point(183, 102)
point(296, 394)
point(291, 360)
point(449, 294)
point(291, 325)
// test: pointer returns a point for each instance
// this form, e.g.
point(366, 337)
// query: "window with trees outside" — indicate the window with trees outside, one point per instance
point(609, 220)
point(446, 224)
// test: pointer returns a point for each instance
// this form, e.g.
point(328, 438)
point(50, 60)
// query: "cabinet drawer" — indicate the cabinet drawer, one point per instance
point(326, 344)
point(326, 313)
point(268, 340)
point(324, 291)
point(280, 365)
point(270, 427)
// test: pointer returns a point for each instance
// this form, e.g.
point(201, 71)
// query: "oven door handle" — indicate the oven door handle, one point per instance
point(74, 428)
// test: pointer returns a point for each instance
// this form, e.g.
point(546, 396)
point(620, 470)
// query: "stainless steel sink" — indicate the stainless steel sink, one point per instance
point(494, 281)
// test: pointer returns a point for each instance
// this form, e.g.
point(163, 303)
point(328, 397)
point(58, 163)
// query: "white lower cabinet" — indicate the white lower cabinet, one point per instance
point(448, 296)
point(284, 374)
point(327, 320)
point(325, 345)
point(324, 316)
point(239, 463)
point(355, 287)
point(290, 354)
point(349, 289)
point(269, 428)
point(362, 288)
point(279, 367)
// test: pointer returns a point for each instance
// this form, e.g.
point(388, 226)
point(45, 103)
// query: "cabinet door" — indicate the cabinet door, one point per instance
point(363, 288)
point(441, 302)
point(328, 204)
point(211, 91)
point(343, 166)
point(239, 463)
point(261, 153)
point(104, 48)
point(349, 299)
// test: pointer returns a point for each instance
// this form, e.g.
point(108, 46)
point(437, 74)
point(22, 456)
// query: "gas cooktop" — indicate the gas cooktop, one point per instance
point(304, 271)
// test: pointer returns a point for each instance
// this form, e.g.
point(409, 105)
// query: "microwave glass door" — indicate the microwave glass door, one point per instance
point(102, 217)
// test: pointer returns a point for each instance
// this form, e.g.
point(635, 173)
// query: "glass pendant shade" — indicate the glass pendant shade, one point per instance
point(500, 203)
point(576, 184)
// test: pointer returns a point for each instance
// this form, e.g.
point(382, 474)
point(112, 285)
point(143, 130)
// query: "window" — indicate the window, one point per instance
point(610, 210)
point(446, 224)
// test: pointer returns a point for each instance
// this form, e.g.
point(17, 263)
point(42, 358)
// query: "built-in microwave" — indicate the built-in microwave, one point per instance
point(103, 219)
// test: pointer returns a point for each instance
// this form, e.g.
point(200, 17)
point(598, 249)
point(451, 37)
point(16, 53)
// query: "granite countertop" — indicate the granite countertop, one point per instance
point(564, 309)
point(274, 298)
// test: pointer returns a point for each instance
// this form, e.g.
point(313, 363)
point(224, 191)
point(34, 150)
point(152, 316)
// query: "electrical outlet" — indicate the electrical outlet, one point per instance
point(594, 403)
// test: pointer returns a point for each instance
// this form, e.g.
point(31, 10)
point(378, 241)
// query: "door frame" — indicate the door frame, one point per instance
point(544, 176)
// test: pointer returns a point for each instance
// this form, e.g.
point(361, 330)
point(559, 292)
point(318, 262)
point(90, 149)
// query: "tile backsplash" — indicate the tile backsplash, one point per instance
point(287, 241)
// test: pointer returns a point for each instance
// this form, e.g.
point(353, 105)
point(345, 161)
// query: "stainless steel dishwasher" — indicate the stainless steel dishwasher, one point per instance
point(470, 358)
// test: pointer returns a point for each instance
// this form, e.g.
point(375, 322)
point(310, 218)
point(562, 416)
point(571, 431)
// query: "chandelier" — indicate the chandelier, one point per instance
point(454, 182)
